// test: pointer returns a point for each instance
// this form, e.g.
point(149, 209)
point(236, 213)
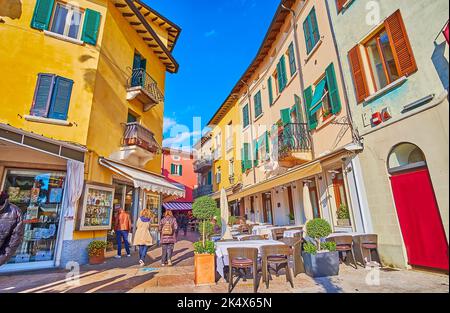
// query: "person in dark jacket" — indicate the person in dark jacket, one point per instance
point(11, 228)
point(168, 228)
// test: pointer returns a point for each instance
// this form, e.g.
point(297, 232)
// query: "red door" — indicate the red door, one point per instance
point(420, 220)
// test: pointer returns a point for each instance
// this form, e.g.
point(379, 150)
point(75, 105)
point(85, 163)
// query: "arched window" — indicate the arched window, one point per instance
point(405, 156)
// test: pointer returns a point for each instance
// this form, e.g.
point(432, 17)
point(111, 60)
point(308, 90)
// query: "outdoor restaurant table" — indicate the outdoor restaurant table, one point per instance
point(290, 233)
point(222, 252)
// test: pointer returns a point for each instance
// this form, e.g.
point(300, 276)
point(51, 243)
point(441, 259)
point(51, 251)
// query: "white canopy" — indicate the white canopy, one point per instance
point(143, 179)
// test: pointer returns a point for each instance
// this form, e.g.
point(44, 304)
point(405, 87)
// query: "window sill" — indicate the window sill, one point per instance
point(385, 90)
point(258, 117)
point(316, 47)
point(64, 38)
point(326, 122)
point(45, 120)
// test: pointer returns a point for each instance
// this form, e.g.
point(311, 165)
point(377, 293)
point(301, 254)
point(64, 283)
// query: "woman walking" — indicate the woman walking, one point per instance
point(168, 228)
point(142, 237)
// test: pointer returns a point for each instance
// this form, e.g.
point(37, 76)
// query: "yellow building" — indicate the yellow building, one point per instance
point(81, 118)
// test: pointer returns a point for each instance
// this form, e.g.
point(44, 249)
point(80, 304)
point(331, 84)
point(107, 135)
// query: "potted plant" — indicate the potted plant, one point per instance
point(320, 258)
point(204, 209)
point(343, 216)
point(291, 218)
point(96, 252)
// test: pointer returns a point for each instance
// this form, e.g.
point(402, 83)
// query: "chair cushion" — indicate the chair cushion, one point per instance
point(276, 258)
point(242, 262)
point(369, 245)
point(343, 247)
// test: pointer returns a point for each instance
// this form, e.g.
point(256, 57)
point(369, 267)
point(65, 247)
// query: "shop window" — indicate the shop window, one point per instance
point(52, 97)
point(38, 195)
point(389, 54)
point(340, 197)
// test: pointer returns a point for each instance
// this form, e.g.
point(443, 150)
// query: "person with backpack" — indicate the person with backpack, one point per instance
point(142, 237)
point(168, 228)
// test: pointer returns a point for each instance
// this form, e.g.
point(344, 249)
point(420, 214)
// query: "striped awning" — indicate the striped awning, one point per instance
point(178, 206)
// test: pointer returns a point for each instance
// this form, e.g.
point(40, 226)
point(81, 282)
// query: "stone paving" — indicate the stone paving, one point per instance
point(124, 275)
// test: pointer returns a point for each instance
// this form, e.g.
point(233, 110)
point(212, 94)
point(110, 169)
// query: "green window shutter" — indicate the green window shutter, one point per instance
point(209, 178)
point(333, 92)
point(91, 26)
point(308, 38)
point(279, 77)
point(315, 27)
point(172, 169)
point(269, 86)
point(42, 14)
point(312, 118)
point(285, 116)
point(245, 116)
point(267, 142)
point(42, 95)
point(255, 152)
point(258, 104)
point(247, 163)
point(62, 92)
point(283, 72)
point(181, 170)
point(292, 65)
point(242, 160)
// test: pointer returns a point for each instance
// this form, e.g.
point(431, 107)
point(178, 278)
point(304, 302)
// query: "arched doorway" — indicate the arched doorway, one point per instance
point(417, 208)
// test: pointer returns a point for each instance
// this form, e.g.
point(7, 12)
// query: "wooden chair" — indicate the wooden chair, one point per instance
point(278, 256)
point(253, 237)
point(369, 243)
point(242, 259)
point(344, 244)
point(278, 233)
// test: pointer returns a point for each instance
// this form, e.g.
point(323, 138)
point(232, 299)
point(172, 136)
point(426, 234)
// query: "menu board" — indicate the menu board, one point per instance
point(96, 211)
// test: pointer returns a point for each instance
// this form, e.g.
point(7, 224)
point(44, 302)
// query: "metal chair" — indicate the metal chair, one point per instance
point(278, 256)
point(253, 237)
point(278, 233)
point(344, 244)
point(369, 243)
point(242, 259)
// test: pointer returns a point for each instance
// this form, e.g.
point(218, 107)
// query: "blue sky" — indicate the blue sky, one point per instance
point(218, 41)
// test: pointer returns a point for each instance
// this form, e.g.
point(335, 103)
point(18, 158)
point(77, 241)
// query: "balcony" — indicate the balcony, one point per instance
point(138, 145)
point(202, 165)
point(294, 145)
point(143, 87)
point(201, 191)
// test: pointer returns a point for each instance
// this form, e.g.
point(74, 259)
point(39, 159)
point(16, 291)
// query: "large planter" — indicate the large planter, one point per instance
point(204, 269)
point(97, 259)
point(322, 264)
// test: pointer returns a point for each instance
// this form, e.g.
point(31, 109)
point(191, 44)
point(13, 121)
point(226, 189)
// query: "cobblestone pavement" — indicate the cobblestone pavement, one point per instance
point(124, 275)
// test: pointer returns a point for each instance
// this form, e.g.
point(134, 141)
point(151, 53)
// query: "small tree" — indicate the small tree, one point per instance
point(317, 229)
point(204, 209)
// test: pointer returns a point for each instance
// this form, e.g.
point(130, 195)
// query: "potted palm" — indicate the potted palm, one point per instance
point(343, 216)
point(204, 209)
point(96, 252)
point(320, 258)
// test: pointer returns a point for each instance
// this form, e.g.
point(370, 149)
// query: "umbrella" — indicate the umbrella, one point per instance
point(226, 233)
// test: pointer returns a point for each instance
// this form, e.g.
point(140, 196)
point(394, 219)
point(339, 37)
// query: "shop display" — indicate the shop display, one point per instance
point(38, 194)
point(96, 211)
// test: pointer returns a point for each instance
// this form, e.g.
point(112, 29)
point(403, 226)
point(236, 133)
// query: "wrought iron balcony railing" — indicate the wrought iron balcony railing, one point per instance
point(202, 165)
point(294, 137)
point(137, 135)
point(140, 78)
point(203, 190)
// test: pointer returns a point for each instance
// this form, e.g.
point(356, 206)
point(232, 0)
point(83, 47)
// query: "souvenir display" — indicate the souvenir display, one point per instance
point(55, 195)
point(13, 193)
point(96, 212)
point(35, 194)
point(32, 213)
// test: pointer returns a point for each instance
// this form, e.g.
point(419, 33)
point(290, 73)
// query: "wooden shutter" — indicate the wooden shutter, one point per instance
point(245, 117)
point(42, 95)
point(42, 14)
point(359, 76)
point(308, 35)
point(181, 170)
point(400, 45)
point(91, 26)
point(283, 73)
point(285, 116)
point(269, 86)
point(60, 98)
point(258, 104)
point(314, 27)
point(340, 5)
point(267, 142)
point(172, 169)
point(292, 65)
point(333, 92)
point(312, 118)
point(255, 152)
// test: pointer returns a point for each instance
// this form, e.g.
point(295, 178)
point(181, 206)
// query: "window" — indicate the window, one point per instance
point(176, 158)
point(51, 97)
point(311, 31)
point(139, 70)
point(281, 75)
point(229, 140)
point(218, 141)
point(218, 175)
point(231, 168)
point(262, 148)
point(131, 118)
point(245, 116)
point(342, 210)
point(389, 55)
point(176, 169)
point(291, 56)
point(246, 158)
point(270, 89)
point(66, 20)
point(258, 104)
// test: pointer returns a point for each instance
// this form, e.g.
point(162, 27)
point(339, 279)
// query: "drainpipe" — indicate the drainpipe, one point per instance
point(299, 71)
point(251, 127)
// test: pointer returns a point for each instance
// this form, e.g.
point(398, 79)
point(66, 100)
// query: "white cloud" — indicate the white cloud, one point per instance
point(183, 139)
point(211, 33)
point(168, 123)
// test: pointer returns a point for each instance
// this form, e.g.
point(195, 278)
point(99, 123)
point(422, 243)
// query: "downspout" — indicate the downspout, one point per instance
point(300, 73)
point(251, 128)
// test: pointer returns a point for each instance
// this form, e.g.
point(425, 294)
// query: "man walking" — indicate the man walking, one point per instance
point(11, 228)
point(122, 228)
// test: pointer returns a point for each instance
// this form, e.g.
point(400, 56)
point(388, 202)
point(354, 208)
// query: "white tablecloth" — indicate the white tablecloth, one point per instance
point(344, 234)
point(291, 233)
point(222, 252)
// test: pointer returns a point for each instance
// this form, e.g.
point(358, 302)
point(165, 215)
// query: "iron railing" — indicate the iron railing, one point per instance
point(138, 135)
point(202, 165)
point(293, 137)
point(203, 190)
point(140, 78)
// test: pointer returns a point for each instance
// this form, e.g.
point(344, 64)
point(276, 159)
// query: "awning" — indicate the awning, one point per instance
point(178, 206)
point(316, 103)
point(293, 175)
point(143, 179)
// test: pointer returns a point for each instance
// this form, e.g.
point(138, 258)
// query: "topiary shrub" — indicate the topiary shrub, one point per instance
point(329, 245)
point(96, 248)
point(317, 229)
point(204, 209)
point(207, 248)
